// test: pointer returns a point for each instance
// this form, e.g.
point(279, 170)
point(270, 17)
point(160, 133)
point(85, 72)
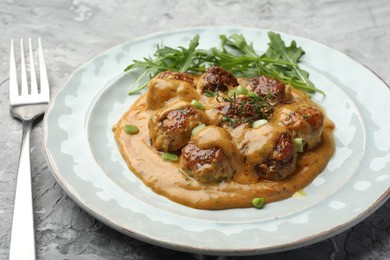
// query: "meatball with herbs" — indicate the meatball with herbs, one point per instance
point(171, 130)
point(216, 79)
point(306, 123)
point(244, 109)
point(270, 151)
point(268, 87)
point(281, 162)
point(173, 75)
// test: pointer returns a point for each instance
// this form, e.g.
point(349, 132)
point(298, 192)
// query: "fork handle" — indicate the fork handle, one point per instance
point(22, 236)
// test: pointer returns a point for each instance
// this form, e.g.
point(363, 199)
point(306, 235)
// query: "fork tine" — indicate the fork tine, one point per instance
point(44, 81)
point(13, 81)
point(24, 88)
point(33, 76)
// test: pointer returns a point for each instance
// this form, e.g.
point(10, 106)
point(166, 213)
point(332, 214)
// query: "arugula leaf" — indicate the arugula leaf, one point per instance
point(279, 61)
point(292, 54)
point(235, 55)
point(167, 58)
point(189, 55)
point(238, 43)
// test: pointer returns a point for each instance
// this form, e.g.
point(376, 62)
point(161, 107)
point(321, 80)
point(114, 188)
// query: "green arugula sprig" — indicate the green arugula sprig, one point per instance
point(166, 58)
point(279, 61)
point(235, 55)
point(292, 75)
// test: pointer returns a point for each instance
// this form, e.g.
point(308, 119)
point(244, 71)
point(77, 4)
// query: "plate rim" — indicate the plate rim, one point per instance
point(112, 223)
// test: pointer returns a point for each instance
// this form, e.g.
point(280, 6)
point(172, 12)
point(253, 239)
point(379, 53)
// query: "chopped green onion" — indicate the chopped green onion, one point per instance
point(258, 203)
point(299, 144)
point(259, 123)
point(251, 94)
point(169, 157)
point(242, 90)
point(209, 93)
point(131, 129)
point(232, 92)
point(198, 128)
point(197, 104)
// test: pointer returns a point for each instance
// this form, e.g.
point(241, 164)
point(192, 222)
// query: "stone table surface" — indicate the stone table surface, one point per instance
point(74, 31)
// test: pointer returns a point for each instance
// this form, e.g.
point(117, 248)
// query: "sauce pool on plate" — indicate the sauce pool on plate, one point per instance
point(212, 141)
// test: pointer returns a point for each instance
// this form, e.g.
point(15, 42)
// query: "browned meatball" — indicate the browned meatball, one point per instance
point(272, 88)
point(244, 109)
point(170, 87)
point(170, 131)
point(173, 75)
point(216, 79)
point(205, 165)
point(306, 123)
point(269, 150)
point(281, 162)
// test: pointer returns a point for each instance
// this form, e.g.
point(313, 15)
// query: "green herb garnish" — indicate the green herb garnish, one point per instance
point(299, 144)
point(198, 128)
point(197, 104)
point(235, 55)
point(258, 203)
point(232, 93)
point(279, 61)
point(209, 93)
point(169, 59)
point(169, 157)
point(131, 129)
point(246, 110)
point(232, 122)
point(292, 75)
point(241, 90)
point(259, 123)
point(251, 94)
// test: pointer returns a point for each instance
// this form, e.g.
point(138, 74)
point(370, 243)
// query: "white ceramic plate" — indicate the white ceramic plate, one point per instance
point(83, 156)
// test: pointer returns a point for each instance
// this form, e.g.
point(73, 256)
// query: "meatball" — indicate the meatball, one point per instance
point(306, 123)
point(216, 79)
point(243, 110)
point(170, 130)
point(270, 151)
point(271, 88)
point(173, 75)
point(211, 156)
point(205, 165)
point(281, 162)
point(170, 87)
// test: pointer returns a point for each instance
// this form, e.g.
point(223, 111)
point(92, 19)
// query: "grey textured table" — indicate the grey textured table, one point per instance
point(74, 31)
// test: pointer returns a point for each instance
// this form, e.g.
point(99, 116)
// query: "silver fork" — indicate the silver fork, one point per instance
point(27, 105)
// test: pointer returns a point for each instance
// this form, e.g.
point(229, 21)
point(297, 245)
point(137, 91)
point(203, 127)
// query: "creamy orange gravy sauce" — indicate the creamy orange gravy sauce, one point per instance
point(166, 178)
